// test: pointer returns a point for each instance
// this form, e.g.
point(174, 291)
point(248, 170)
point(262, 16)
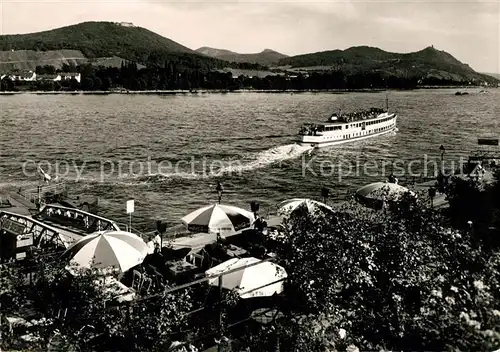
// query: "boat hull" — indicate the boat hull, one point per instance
point(329, 134)
point(326, 143)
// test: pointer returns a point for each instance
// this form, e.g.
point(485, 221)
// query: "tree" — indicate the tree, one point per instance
point(86, 314)
point(11, 284)
point(153, 322)
point(398, 280)
point(475, 203)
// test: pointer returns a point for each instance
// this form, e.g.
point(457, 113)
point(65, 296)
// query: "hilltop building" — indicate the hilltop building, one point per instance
point(125, 24)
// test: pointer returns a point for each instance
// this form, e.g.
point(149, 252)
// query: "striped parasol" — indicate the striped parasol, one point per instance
point(290, 206)
point(375, 194)
point(382, 190)
point(119, 249)
point(218, 218)
point(260, 280)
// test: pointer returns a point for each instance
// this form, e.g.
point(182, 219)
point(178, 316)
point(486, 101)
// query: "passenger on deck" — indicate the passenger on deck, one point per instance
point(259, 224)
point(440, 182)
point(219, 190)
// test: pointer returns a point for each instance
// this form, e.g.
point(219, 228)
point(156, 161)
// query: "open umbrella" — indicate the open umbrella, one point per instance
point(256, 281)
point(375, 194)
point(118, 249)
point(290, 206)
point(218, 218)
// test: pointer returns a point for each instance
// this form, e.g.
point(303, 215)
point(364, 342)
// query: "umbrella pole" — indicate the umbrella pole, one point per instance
point(220, 315)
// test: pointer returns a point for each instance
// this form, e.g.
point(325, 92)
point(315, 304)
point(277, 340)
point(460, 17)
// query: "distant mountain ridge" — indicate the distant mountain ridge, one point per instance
point(425, 63)
point(266, 57)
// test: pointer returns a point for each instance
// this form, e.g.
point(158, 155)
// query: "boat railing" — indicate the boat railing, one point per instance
point(41, 234)
point(80, 220)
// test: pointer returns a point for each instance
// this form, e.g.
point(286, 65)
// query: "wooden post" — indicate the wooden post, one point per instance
point(219, 190)
point(39, 189)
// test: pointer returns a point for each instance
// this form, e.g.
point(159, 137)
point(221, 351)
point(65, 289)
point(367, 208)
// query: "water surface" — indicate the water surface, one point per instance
point(248, 136)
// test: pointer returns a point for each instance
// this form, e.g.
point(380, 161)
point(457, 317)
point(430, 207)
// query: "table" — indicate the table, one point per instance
point(119, 291)
point(181, 267)
point(235, 251)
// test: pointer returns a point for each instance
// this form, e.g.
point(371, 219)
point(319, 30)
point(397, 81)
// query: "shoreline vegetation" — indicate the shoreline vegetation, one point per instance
point(221, 91)
point(175, 79)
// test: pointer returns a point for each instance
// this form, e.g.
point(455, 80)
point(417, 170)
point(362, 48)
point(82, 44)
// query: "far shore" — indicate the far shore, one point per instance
point(221, 91)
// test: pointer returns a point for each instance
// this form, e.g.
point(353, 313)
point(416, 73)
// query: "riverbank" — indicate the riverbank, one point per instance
point(198, 91)
point(219, 91)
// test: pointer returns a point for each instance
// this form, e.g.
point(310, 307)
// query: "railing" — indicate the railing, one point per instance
point(146, 236)
point(33, 194)
point(484, 155)
point(76, 218)
point(5, 202)
point(42, 234)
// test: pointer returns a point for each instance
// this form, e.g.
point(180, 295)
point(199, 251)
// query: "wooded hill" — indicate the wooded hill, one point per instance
point(108, 39)
point(426, 63)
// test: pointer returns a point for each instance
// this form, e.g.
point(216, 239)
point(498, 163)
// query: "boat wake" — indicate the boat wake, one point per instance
point(225, 168)
point(146, 176)
point(265, 158)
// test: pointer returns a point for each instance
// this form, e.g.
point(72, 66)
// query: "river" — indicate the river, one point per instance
point(168, 152)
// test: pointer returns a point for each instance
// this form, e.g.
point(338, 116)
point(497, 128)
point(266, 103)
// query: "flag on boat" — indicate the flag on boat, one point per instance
point(46, 176)
point(218, 218)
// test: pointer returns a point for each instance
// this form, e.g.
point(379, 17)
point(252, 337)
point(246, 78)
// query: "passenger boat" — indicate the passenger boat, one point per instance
point(342, 128)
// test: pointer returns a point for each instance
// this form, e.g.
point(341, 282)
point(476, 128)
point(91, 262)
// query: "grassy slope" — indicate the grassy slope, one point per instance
point(29, 59)
point(494, 75)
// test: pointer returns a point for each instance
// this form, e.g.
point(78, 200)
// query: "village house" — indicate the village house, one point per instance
point(60, 76)
point(63, 76)
point(21, 76)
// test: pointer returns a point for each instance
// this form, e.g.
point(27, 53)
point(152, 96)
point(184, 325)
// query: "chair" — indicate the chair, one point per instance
point(61, 314)
point(146, 285)
point(136, 280)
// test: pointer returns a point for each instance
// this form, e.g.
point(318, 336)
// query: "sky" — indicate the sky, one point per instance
point(469, 30)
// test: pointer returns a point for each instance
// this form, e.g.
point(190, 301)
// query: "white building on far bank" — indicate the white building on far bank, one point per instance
point(63, 76)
